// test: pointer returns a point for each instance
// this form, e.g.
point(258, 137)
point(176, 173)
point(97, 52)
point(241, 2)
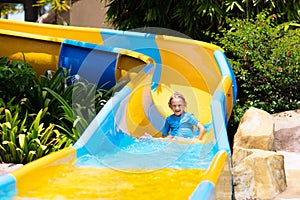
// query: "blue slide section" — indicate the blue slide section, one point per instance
point(92, 62)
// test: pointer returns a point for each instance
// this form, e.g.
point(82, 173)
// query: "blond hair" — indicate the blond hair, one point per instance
point(176, 95)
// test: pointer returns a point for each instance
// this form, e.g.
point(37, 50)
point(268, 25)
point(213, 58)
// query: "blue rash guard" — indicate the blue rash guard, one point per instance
point(182, 126)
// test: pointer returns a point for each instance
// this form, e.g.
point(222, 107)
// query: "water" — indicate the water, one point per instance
point(140, 169)
point(154, 153)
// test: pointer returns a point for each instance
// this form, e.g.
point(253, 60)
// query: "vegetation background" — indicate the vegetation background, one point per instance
point(260, 39)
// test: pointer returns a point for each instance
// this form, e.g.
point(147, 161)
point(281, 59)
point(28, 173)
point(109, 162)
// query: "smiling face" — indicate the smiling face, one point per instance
point(178, 106)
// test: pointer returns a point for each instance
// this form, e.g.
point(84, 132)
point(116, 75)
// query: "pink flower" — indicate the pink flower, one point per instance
point(288, 53)
point(273, 16)
point(280, 69)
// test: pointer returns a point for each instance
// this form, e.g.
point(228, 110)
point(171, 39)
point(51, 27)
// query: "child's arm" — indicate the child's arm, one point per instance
point(166, 129)
point(202, 130)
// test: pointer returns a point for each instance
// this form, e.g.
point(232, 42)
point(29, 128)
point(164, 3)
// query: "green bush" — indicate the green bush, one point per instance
point(16, 78)
point(48, 115)
point(266, 61)
point(22, 142)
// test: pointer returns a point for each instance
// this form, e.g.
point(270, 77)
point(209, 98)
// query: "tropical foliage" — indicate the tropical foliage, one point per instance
point(12, 74)
point(56, 5)
point(6, 8)
point(43, 114)
point(265, 57)
point(197, 19)
point(23, 142)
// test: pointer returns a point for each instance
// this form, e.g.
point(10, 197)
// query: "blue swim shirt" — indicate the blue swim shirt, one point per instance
point(182, 126)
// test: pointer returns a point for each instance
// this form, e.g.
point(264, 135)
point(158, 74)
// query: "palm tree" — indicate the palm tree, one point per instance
point(58, 10)
point(10, 6)
point(7, 8)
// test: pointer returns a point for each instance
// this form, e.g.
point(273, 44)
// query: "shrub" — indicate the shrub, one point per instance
point(22, 142)
point(16, 78)
point(48, 114)
point(70, 107)
point(266, 61)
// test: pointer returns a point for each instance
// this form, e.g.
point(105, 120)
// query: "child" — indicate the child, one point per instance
point(181, 123)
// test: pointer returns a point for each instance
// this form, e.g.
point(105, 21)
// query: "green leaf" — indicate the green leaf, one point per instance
point(12, 150)
point(23, 142)
point(21, 155)
point(8, 116)
point(68, 110)
point(6, 125)
point(47, 134)
point(36, 127)
point(30, 156)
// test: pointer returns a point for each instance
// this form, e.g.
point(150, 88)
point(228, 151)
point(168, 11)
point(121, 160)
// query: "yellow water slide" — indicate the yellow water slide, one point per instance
point(108, 161)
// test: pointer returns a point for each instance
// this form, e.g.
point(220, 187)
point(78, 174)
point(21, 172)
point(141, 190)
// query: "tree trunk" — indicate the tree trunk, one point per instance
point(31, 12)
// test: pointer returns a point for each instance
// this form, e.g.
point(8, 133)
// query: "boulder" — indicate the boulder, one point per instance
point(239, 154)
point(258, 174)
point(258, 171)
point(8, 167)
point(287, 131)
point(256, 130)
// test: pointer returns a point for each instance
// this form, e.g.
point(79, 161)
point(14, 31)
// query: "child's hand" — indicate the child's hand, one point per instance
point(170, 136)
point(146, 136)
point(201, 139)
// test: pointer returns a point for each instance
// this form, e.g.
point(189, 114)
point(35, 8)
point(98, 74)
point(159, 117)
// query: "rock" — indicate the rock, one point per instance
point(239, 154)
point(287, 119)
point(258, 171)
point(8, 167)
point(287, 131)
point(256, 130)
point(288, 139)
point(292, 171)
point(260, 175)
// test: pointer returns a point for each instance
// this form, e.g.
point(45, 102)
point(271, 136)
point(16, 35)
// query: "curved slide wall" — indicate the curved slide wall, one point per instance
point(165, 64)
